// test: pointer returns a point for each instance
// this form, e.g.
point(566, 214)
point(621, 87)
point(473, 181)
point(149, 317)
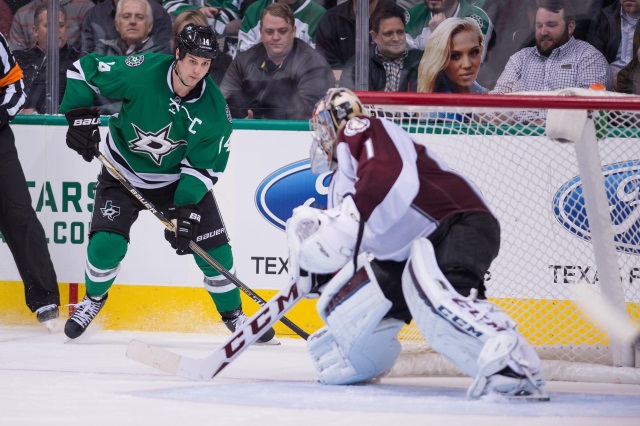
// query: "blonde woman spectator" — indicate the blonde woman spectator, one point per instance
point(452, 58)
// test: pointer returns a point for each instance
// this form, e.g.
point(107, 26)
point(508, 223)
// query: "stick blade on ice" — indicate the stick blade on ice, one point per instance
point(175, 364)
point(154, 356)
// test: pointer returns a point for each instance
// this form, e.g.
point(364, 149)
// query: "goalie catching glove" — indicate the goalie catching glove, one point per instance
point(321, 242)
point(83, 135)
point(185, 219)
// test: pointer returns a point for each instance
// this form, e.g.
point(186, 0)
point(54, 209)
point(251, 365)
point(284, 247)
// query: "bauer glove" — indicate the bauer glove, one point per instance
point(83, 135)
point(185, 220)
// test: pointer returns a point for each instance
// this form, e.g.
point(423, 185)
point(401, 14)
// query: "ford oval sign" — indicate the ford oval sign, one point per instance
point(288, 188)
point(622, 186)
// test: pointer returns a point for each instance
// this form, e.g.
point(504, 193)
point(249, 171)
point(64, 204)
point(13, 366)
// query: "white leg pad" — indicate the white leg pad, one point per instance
point(370, 356)
point(474, 334)
point(357, 344)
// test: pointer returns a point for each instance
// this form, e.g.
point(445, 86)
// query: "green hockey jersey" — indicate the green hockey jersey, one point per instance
point(307, 14)
point(157, 138)
point(419, 16)
point(229, 10)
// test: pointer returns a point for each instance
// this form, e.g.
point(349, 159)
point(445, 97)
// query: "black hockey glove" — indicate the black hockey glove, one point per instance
point(83, 135)
point(186, 220)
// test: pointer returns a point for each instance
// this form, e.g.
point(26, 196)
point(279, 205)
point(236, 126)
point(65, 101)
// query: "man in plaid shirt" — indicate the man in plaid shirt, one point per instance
point(559, 60)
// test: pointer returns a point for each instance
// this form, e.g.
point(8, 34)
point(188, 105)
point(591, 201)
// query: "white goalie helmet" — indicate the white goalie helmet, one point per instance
point(330, 114)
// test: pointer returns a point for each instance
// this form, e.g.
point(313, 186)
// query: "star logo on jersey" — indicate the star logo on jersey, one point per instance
point(134, 60)
point(157, 145)
point(110, 211)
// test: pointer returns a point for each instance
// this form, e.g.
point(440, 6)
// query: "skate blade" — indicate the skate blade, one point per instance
point(54, 326)
point(500, 397)
point(272, 342)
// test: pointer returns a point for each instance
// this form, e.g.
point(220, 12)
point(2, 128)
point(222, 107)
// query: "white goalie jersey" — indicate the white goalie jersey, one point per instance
point(402, 190)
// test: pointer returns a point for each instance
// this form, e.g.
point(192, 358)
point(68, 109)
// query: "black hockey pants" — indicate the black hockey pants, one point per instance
point(23, 231)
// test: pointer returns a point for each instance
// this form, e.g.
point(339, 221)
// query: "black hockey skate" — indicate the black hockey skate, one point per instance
point(234, 319)
point(48, 316)
point(85, 312)
point(47, 313)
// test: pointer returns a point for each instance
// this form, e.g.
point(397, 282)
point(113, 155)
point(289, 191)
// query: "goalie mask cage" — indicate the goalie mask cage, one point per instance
point(561, 171)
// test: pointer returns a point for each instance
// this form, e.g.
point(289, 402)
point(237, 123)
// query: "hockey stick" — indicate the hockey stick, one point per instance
point(202, 369)
point(603, 314)
point(192, 245)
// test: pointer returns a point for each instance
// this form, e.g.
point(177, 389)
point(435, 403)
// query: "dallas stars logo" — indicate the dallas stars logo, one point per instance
point(156, 145)
point(110, 211)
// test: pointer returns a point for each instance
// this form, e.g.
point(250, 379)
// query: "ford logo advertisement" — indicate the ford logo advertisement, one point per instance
point(622, 186)
point(289, 187)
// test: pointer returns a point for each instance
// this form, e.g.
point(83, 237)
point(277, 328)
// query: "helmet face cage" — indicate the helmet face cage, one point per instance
point(329, 115)
point(197, 40)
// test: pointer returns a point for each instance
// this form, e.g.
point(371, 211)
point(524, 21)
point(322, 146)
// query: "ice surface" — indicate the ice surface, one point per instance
point(45, 380)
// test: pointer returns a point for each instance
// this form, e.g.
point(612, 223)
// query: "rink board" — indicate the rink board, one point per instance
point(267, 176)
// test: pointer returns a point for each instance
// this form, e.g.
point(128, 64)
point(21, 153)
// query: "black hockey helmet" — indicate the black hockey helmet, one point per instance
point(197, 40)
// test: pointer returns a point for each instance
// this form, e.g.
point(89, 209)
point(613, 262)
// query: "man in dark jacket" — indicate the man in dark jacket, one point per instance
point(100, 24)
point(611, 32)
point(280, 78)
point(336, 34)
point(33, 62)
point(392, 67)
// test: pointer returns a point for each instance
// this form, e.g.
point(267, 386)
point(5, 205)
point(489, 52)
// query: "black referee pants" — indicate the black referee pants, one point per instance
point(23, 231)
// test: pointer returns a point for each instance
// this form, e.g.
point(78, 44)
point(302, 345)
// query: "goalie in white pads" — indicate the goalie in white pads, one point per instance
point(426, 239)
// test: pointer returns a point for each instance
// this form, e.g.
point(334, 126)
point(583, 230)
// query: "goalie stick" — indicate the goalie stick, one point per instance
point(192, 245)
point(604, 314)
point(202, 369)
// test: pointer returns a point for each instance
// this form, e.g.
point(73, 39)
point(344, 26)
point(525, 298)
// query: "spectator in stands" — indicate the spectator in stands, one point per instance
point(307, 15)
point(452, 59)
point(336, 35)
point(392, 67)
point(219, 13)
point(280, 78)
point(220, 63)
point(134, 22)
point(559, 60)
point(513, 22)
point(14, 5)
point(100, 24)
point(33, 62)
point(628, 78)
point(425, 18)
point(21, 35)
point(6, 17)
point(611, 32)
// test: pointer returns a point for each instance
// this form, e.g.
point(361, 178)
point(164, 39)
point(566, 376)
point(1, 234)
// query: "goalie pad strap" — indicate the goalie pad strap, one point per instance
point(459, 327)
point(371, 355)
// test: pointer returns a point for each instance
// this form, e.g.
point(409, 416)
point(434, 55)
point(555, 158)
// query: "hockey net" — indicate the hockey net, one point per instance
point(534, 186)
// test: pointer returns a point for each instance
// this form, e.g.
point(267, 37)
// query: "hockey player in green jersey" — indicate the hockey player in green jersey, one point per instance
point(171, 141)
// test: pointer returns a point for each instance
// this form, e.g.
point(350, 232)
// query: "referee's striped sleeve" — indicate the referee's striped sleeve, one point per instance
point(12, 95)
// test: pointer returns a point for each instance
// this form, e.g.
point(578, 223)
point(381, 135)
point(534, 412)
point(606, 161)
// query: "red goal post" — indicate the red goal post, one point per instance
point(569, 214)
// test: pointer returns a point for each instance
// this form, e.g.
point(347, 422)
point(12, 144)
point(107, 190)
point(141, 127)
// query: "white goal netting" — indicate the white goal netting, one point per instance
point(534, 187)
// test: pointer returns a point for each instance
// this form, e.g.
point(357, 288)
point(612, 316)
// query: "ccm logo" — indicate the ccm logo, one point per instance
point(86, 121)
